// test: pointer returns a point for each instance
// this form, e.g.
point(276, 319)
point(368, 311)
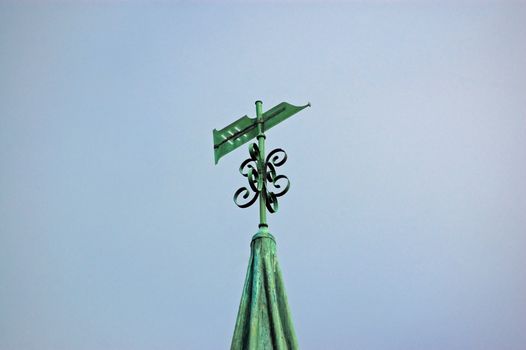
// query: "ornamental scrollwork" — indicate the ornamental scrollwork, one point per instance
point(249, 169)
point(262, 180)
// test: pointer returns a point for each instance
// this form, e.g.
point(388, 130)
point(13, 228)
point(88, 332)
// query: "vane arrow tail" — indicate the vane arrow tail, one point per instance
point(234, 135)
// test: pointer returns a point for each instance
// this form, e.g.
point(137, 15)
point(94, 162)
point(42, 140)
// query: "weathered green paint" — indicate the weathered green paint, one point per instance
point(245, 129)
point(261, 165)
point(264, 319)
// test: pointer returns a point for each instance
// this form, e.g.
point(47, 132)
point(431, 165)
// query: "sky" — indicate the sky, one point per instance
point(404, 227)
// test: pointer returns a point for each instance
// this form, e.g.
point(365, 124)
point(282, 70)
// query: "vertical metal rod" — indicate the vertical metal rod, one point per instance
point(261, 166)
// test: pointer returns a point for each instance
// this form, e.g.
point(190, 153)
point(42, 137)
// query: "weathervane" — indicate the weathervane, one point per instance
point(264, 319)
point(263, 181)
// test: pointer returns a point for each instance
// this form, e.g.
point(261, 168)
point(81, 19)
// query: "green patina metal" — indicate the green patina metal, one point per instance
point(264, 320)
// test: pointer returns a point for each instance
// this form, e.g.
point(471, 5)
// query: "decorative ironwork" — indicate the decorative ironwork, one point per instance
point(249, 169)
point(279, 183)
point(267, 183)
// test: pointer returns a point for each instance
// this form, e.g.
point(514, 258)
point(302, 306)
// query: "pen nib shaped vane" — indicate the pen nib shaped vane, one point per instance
point(268, 184)
point(245, 129)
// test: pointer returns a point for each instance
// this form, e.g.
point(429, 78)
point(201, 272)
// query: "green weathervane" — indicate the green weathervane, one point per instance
point(259, 171)
point(263, 320)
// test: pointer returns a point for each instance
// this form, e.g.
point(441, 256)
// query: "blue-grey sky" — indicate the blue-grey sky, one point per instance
point(405, 225)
